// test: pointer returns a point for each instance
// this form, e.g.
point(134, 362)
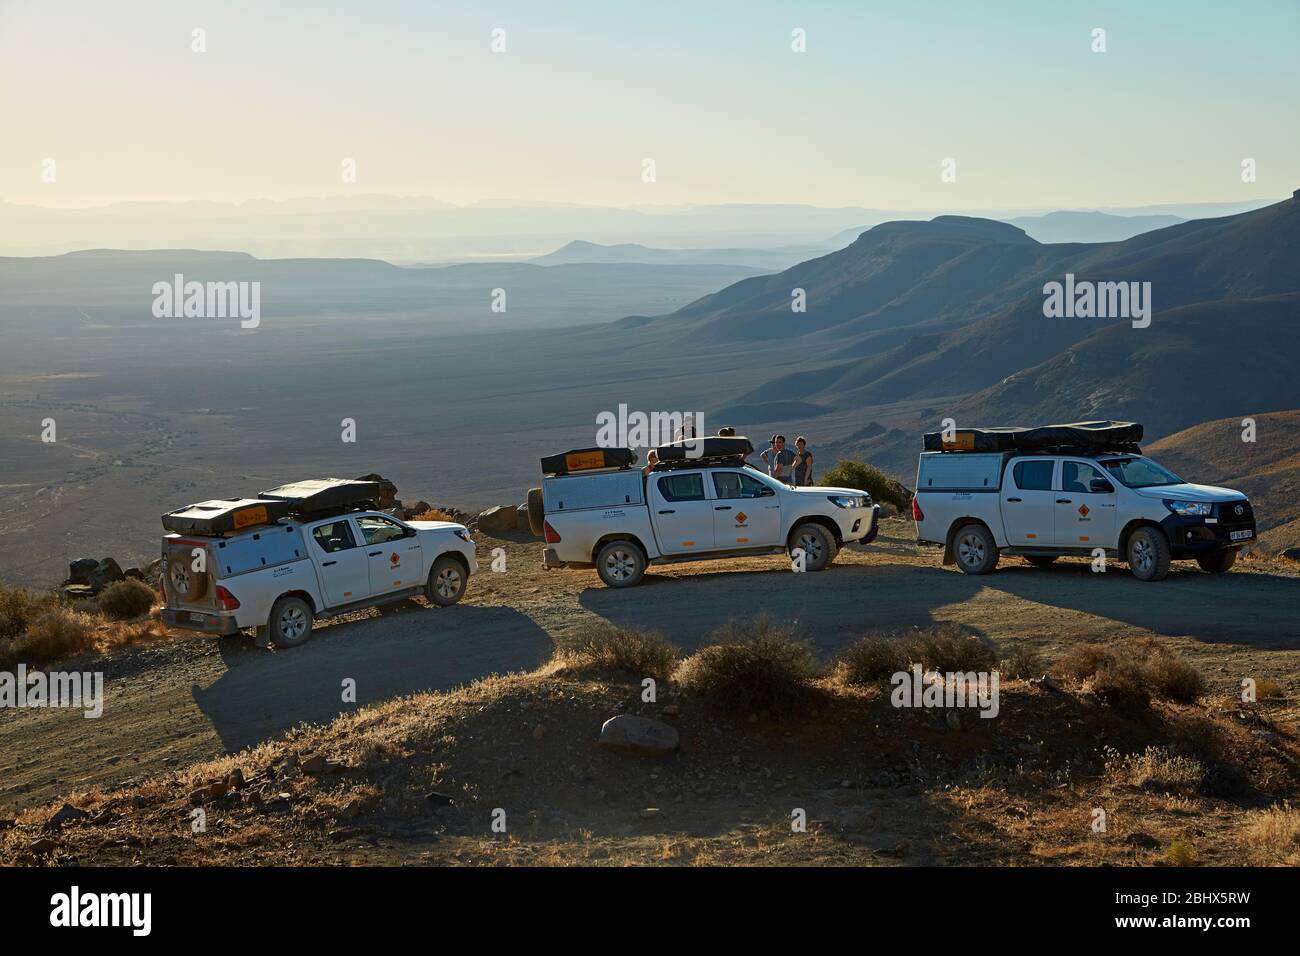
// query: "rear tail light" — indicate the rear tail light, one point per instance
point(225, 600)
point(916, 511)
point(552, 536)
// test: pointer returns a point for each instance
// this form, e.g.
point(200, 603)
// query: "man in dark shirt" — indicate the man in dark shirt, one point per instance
point(778, 460)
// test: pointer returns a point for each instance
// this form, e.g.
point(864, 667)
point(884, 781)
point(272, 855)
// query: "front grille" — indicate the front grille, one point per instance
point(1228, 512)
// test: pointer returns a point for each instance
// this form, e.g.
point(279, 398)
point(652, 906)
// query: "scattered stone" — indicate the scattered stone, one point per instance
point(1291, 554)
point(439, 799)
point(43, 847)
point(672, 710)
point(95, 574)
point(953, 719)
point(6, 823)
point(211, 791)
point(235, 780)
point(66, 814)
point(497, 518)
point(539, 732)
point(649, 813)
point(628, 733)
point(314, 765)
point(1144, 840)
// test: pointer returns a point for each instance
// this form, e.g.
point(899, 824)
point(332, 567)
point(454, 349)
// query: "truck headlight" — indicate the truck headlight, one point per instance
point(849, 501)
point(462, 534)
point(1190, 509)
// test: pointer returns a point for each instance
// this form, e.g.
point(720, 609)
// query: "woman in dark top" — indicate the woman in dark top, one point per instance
point(803, 462)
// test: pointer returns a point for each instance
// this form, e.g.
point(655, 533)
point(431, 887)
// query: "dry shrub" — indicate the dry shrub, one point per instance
point(751, 667)
point(1024, 663)
point(946, 648)
point(433, 514)
point(20, 607)
point(1155, 769)
point(1274, 835)
point(59, 632)
point(1180, 853)
point(605, 648)
point(1268, 689)
point(123, 600)
point(1132, 672)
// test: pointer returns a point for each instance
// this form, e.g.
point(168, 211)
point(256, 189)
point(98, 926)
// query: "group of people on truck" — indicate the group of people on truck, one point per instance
point(793, 466)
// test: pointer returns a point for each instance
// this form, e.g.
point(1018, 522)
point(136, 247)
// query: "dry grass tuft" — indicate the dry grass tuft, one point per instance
point(754, 666)
point(58, 632)
point(945, 648)
point(1155, 769)
point(1274, 835)
point(433, 514)
point(605, 648)
point(1131, 673)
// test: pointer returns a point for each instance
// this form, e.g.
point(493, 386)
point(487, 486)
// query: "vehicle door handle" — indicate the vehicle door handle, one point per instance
point(722, 508)
point(670, 511)
point(1064, 501)
point(1015, 499)
point(326, 564)
point(375, 554)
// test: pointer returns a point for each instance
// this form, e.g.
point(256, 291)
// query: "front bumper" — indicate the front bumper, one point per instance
point(203, 621)
point(1192, 537)
point(861, 525)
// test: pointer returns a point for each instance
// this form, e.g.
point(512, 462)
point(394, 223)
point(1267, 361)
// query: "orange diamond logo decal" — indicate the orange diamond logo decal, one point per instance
point(394, 560)
point(1083, 510)
point(741, 517)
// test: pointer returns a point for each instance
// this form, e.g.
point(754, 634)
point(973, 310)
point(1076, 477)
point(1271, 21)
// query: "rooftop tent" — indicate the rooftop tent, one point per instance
point(1095, 436)
point(705, 449)
point(324, 494)
point(222, 516)
point(588, 459)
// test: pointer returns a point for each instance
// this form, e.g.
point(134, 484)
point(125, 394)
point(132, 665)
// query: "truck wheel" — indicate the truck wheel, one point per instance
point(1148, 554)
point(1043, 561)
point(975, 549)
point(620, 564)
point(290, 623)
point(1218, 562)
point(817, 544)
point(536, 512)
point(447, 581)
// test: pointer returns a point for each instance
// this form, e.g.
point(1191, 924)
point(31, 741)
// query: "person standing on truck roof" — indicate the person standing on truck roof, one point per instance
point(651, 459)
point(803, 462)
point(778, 459)
point(726, 431)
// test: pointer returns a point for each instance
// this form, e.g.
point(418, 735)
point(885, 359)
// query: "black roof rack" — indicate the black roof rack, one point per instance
point(717, 461)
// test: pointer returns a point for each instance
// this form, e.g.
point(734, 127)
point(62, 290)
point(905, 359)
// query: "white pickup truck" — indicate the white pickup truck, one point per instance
point(621, 520)
point(279, 576)
point(1043, 505)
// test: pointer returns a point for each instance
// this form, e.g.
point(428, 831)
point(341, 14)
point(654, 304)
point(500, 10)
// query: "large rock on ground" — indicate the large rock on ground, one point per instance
point(96, 575)
point(630, 734)
point(498, 518)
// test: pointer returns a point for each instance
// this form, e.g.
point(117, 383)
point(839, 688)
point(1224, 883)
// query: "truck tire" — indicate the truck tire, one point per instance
point(536, 512)
point(975, 549)
point(1218, 562)
point(1148, 554)
point(186, 583)
point(621, 564)
point(1042, 561)
point(447, 581)
point(817, 544)
point(290, 623)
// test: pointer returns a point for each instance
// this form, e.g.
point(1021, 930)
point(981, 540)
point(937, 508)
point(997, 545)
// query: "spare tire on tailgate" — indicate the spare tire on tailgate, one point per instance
point(186, 583)
point(536, 512)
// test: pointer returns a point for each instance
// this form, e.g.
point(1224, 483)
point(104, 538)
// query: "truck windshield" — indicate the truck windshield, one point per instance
point(764, 478)
point(1140, 472)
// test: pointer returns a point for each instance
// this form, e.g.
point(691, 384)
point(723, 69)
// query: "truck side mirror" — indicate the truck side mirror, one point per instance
point(767, 492)
point(1100, 486)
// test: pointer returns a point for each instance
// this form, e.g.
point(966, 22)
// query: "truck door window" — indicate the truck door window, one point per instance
point(731, 484)
point(379, 530)
point(335, 536)
point(1076, 477)
point(1034, 475)
point(682, 487)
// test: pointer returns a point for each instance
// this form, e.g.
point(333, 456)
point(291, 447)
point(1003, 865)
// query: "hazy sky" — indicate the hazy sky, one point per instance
point(712, 91)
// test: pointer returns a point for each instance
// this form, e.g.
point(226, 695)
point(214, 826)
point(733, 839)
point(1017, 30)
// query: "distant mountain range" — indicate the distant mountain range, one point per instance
point(948, 315)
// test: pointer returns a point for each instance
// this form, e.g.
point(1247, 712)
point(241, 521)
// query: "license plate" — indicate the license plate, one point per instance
point(198, 616)
point(1241, 535)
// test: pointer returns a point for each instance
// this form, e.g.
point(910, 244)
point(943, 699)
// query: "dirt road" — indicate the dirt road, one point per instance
point(175, 703)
